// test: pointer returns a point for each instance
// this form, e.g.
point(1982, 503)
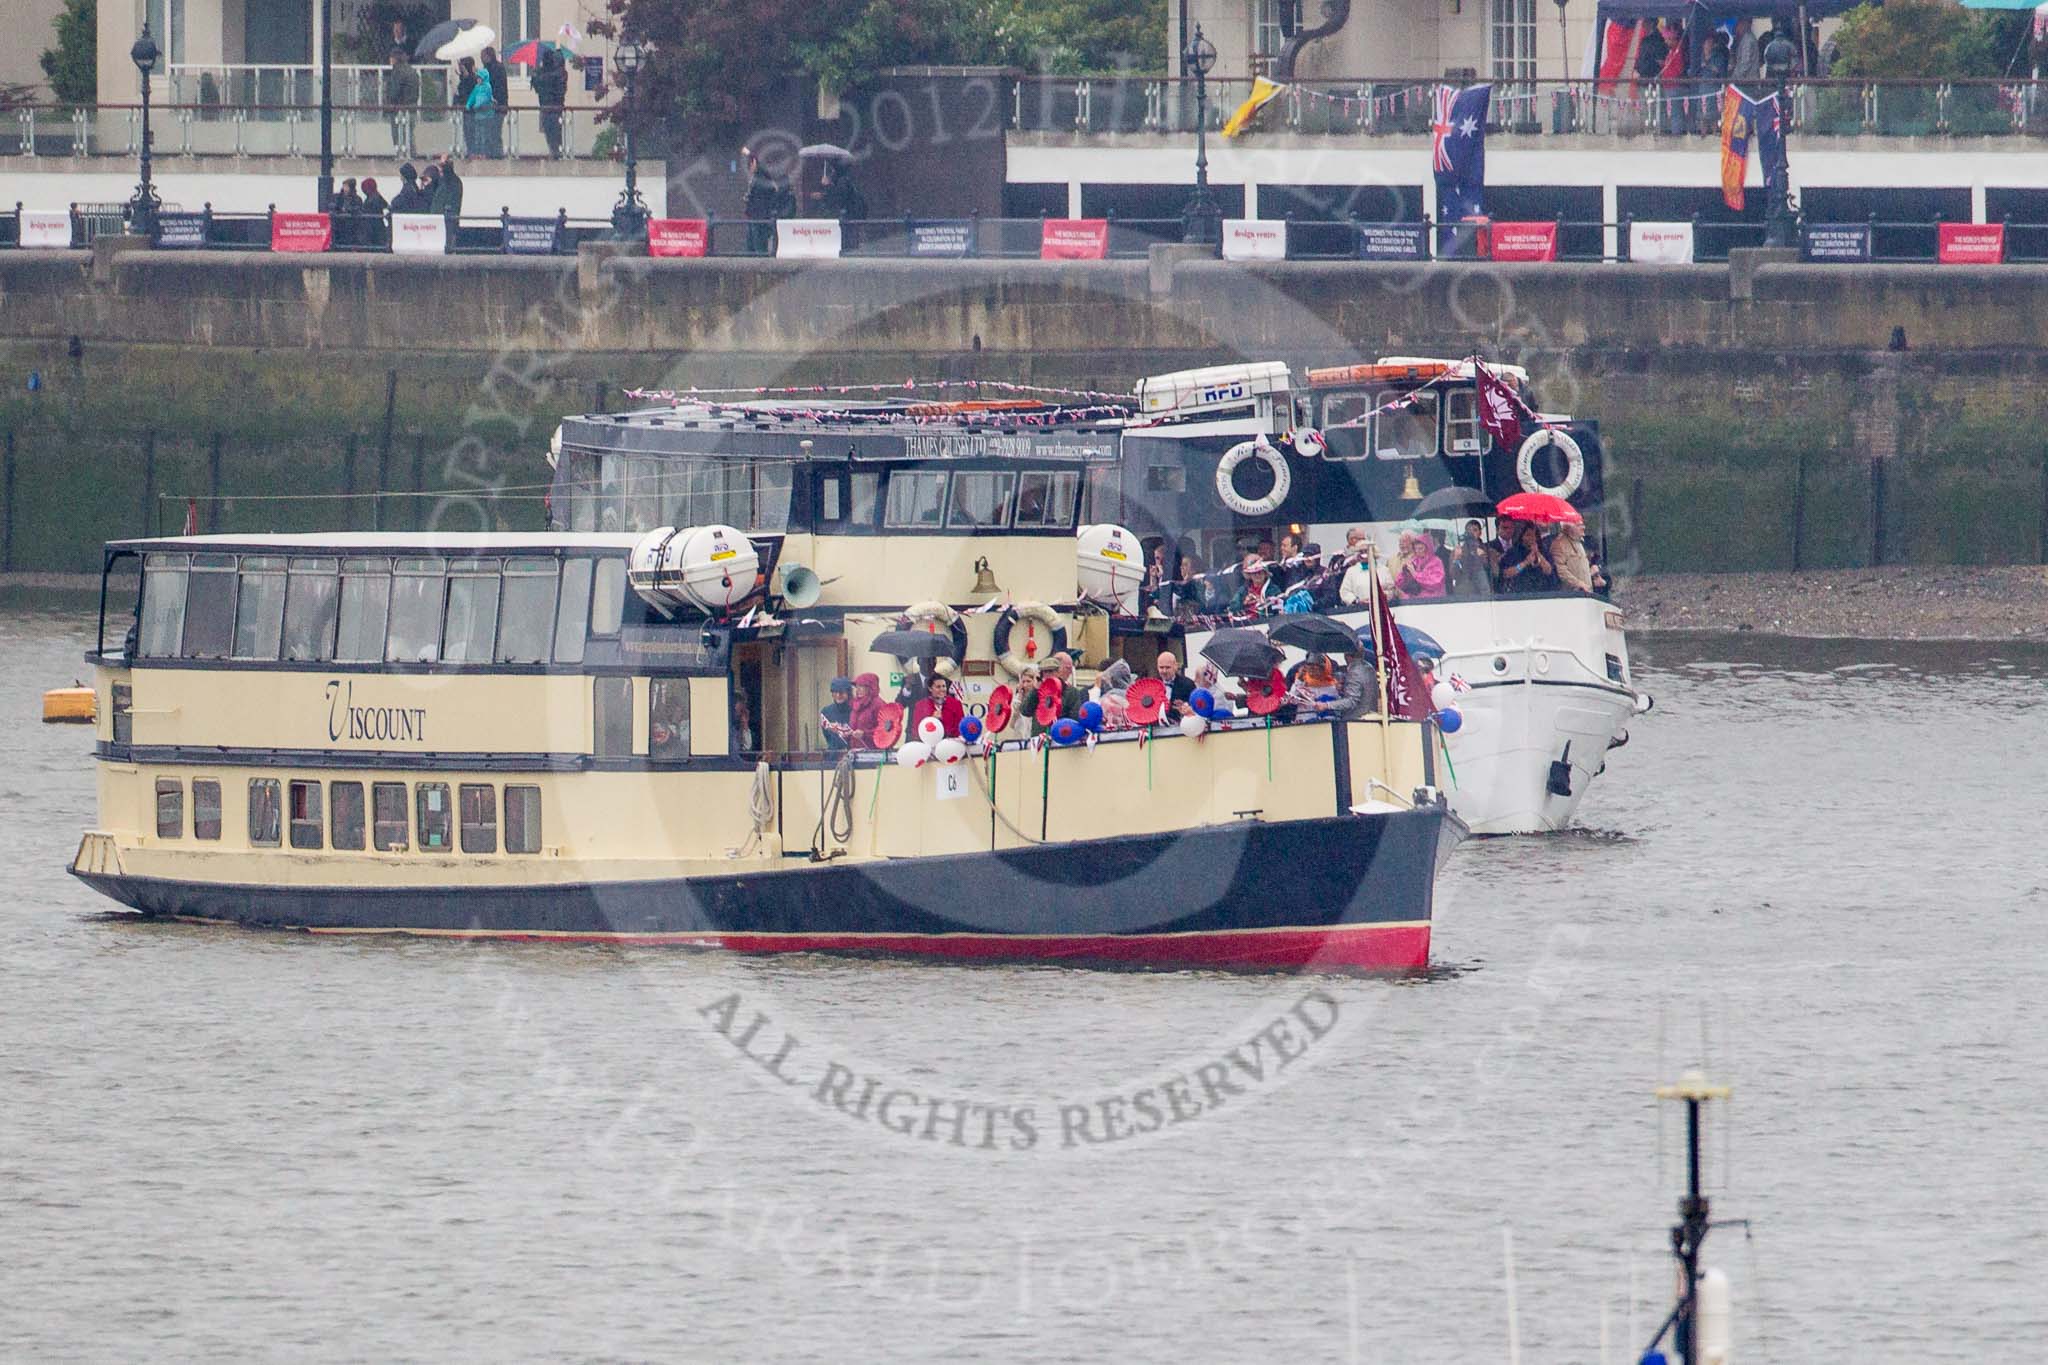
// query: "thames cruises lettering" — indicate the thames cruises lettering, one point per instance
point(952, 446)
point(346, 720)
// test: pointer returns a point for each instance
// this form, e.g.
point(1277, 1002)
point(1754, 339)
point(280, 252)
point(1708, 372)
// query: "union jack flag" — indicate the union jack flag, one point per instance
point(1440, 128)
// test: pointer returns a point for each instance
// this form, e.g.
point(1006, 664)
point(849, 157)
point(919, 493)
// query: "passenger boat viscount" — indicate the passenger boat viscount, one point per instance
point(611, 729)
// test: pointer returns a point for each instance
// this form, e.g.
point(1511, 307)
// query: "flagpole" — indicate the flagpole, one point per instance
point(1377, 605)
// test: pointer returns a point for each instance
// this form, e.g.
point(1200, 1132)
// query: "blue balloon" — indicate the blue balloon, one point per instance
point(1449, 720)
point(1201, 701)
point(1067, 730)
point(970, 728)
point(1091, 715)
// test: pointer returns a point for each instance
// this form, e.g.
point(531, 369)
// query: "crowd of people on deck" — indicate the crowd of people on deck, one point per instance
point(1690, 82)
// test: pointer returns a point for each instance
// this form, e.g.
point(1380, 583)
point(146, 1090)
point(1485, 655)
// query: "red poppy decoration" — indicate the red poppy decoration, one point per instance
point(1145, 702)
point(1049, 701)
point(1001, 705)
point(1262, 696)
point(888, 725)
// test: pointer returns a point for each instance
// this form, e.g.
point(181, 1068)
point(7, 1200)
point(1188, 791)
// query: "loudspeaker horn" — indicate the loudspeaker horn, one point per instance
point(800, 586)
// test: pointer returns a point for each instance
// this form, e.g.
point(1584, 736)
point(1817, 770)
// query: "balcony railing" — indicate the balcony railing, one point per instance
point(1401, 107)
point(379, 131)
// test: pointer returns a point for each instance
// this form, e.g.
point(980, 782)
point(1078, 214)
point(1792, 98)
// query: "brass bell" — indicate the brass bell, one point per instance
point(1411, 490)
point(985, 581)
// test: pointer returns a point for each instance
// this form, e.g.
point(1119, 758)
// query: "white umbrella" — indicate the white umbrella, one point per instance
point(467, 43)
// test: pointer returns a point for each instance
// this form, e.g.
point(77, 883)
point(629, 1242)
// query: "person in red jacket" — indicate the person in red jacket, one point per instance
point(938, 701)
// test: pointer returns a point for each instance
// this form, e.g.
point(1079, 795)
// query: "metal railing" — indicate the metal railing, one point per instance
point(383, 131)
point(1401, 107)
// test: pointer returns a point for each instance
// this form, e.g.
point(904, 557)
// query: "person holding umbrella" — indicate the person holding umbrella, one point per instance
point(501, 101)
point(762, 197)
point(551, 89)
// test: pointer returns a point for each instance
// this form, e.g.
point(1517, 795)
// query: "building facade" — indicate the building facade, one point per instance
point(1499, 40)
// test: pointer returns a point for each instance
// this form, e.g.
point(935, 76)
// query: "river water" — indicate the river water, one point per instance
point(1818, 868)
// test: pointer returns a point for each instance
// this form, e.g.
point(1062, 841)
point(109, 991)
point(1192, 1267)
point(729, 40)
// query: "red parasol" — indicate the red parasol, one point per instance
point(1544, 508)
point(1262, 696)
point(1145, 701)
point(1001, 703)
point(888, 724)
point(529, 53)
point(1049, 701)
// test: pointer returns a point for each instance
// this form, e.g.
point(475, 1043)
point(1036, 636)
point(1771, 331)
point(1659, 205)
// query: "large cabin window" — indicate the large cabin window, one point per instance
point(365, 609)
point(471, 635)
point(612, 717)
point(1461, 423)
point(416, 592)
point(259, 607)
point(981, 499)
point(917, 499)
point(1407, 433)
point(345, 815)
point(864, 491)
point(210, 607)
point(572, 614)
point(306, 821)
point(1102, 497)
point(1347, 442)
point(479, 817)
point(389, 828)
point(163, 605)
point(526, 616)
point(312, 603)
point(170, 808)
point(522, 819)
point(668, 719)
point(205, 808)
point(608, 598)
point(1046, 499)
point(266, 812)
point(435, 819)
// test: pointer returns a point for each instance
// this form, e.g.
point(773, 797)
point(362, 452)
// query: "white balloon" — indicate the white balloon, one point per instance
point(1192, 725)
point(931, 730)
point(949, 751)
point(1442, 695)
point(912, 755)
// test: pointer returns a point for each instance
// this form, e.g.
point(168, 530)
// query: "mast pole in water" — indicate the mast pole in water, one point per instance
point(1690, 1231)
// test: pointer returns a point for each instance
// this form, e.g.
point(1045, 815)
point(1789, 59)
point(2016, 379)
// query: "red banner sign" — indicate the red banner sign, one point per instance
point(677, 236)
point(1075, 239)
point(301, 232)
point(1972, 243)
point(1524, 241)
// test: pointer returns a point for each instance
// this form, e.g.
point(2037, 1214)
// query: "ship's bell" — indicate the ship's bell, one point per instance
point(1411, 491)
point(985, 581)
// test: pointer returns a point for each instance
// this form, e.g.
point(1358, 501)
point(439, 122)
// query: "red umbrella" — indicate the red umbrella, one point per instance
point(528, 53)
point(1544, 508)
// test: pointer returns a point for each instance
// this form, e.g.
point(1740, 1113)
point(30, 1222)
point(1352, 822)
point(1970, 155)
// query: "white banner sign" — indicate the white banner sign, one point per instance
point(809, 237)
point(46, 227)
point(419, 234)
point(1254, 239)
point(1660, 243)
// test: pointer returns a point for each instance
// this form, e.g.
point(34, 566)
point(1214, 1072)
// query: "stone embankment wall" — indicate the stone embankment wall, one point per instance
point(1740, 404)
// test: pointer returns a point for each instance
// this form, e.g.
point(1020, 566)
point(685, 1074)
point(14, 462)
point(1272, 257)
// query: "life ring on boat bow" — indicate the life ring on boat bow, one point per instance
point(1574, 463)
point(1226, 481)
point(1039, 620)
point(937, 616)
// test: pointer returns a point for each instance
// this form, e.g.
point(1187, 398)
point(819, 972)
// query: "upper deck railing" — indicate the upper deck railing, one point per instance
point(291, 129)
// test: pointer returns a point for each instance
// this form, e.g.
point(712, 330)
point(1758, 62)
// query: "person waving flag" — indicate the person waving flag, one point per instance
point(1458, 150)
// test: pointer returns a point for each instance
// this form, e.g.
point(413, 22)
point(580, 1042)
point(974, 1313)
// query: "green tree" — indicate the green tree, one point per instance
point(73, 64)
point(1930, 39)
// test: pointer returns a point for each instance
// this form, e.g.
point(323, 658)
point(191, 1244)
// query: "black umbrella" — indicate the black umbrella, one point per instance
point(438, 36)
point(1242, 653)
point(914, 644)
point(1315, 634)
point(1456, 501)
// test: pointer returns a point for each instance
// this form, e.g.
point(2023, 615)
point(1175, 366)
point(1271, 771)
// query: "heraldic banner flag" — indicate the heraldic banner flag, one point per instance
point(1745, 120)
point(1264, 92)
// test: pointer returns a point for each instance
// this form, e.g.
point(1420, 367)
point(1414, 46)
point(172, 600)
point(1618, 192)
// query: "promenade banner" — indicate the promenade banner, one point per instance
point(942, 237)
point(532, 236)
point(1254, 239)
point(419, 234)
point(1971, 243)
point(678, 237)
point(1524, 241)
point(807, 239)
point(1074, 239)
point(46, 228)
point(1660, 243)
point(1828, 242)
point(301, 232)
point(1393, 242)
point(180, 231)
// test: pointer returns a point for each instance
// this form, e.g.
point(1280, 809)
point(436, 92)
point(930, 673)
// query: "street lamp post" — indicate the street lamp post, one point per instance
point(324, 195)
point(629, 215)
point(1780, 224)
point(143, 208)
point(1203, 221)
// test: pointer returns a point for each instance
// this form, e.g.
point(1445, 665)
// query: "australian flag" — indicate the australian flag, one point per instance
point(1458, 151)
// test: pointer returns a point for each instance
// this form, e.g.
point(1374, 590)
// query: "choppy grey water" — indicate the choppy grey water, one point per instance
point(1819, 865)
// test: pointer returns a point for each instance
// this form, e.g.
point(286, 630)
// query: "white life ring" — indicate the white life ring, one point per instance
point(1029, 651)
point(1226, 486)
point(1574, 463)
point(921, 612)
point(1309, 443)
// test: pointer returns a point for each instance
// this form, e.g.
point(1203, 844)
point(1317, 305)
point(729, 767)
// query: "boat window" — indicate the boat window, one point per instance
point(472, 627)
point(435, 819)
point(124, 713)
point(170, 808)
point(831, 499)
point(608, 597)
point(1101, 502)
point(867, 492)
point(365, 603)
point(773, 480)
point(572, 615)
point(1046, 498)
point(522, 819)
point(259, 609)
point(612, 717)
point(205, 808)
point(388, 827)
point(163, 605)
point(668, 719)
point(312, 601)
point(1342, 442)
point(575, 500)
point(416, 593)
point(306, 831)
point(345, 814)
point(752, 495)
point(479, 817)
point(210, 607)
point(1407, 433)
point(265, 812)
point(916, 498)
point(526, 619)
point(1461, 423)
point(981, 499)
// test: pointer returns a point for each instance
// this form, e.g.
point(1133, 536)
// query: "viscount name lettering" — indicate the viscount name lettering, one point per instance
point(346, 720)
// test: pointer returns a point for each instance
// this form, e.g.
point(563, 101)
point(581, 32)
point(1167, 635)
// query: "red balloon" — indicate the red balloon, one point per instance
point(1145, 701)
point(888, 725)
point(1049, 701)
point(1001, 705)
point(1262, 696)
